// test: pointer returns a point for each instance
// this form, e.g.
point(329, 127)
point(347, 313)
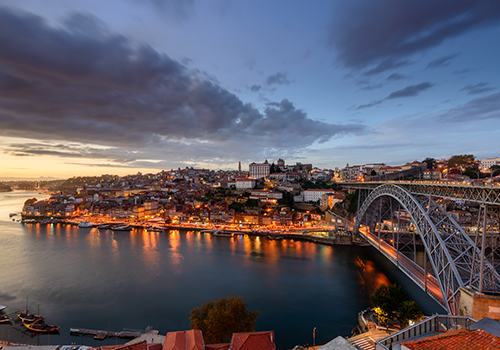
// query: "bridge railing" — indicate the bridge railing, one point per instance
point(433, 324)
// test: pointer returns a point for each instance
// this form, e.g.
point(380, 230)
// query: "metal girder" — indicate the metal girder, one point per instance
point(452, 254)
point(485, 194)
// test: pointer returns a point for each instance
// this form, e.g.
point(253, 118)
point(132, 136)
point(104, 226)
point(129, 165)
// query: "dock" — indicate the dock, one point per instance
point(100, 335)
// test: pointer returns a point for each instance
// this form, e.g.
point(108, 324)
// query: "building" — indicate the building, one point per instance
point(456, 339)
point(259, 170)
point(313, 195)
point(253, 341)
point(487, 163)
point(245, 184)
point(184, 340)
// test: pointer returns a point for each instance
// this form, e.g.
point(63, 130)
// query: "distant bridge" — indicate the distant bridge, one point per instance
point(455, 259)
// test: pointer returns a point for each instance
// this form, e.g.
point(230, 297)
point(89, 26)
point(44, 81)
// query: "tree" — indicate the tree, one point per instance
point(387, 301)
point(373, 172)
point(494, 169)
point(409, 311)
point(463, 161)
point(431, 162)
point(220, 319)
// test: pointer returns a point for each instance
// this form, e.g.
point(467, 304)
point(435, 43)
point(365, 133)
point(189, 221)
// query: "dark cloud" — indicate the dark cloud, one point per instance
point(462, 71)
point(366, 33)
point(474, 89)
point(386, 65)
point(412, 90)
point(368, 105)
point(279, 78)
point(409, 91)
point(395, 76)
point(179, 9)
point(441, 62)
point(482, 108)
point(255, 88)
point(89, 86)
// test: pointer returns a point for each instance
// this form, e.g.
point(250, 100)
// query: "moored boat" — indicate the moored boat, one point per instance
point(5, 318)
point(221, 234)
point(122, 228)
point(85, 224)
point(40, 327)
point(104, 226)
point(2, 307)
point(26, 317)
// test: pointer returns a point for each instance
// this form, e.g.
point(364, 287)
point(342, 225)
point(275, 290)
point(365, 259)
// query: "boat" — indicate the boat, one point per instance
point(121, 228)
point(85, 224)
point(26, 317)
point(5, 318)
point(40, 327)
point(104, 226)
point(221, 234)
point(12, 214)
point(275, 238)
point(2, 307)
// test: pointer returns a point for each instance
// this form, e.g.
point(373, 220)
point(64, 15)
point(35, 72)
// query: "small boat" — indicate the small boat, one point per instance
point(12, 214)
point(104, 226)
point(221, 234)
point(26, 317)
point(122, 228)
point(2, 307)
point(85, 224)
point(40, 327)
point(5, 318)
point(275, 238)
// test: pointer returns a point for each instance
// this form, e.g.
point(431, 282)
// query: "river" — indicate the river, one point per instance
point(100, 279)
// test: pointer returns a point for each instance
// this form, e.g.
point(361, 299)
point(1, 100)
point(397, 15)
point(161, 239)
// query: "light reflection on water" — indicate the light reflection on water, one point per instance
point(101, 279)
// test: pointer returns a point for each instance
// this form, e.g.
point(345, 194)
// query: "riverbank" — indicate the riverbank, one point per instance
point(327, 237)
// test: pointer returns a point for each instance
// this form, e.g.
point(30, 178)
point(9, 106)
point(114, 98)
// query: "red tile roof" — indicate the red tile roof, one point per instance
point(253, 341)
point(457, 339)
point(223, 346)
point(184, 340)
point(143, 345)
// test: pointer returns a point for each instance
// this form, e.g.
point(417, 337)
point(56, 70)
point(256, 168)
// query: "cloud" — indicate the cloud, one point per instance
point(179, 9)
point(477, 88)
point(395, 76)
point(412, 90)
point(279, 78)
point(386, 65)
point(441, 62)
point(482, 108)
point(255, 88)
point(409, 91)
point(365, 33)
point(79, 83)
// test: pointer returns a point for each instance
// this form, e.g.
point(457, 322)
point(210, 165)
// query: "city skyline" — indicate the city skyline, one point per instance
point(125, 86)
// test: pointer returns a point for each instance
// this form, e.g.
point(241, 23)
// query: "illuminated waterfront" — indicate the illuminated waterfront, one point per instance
point(112, 280)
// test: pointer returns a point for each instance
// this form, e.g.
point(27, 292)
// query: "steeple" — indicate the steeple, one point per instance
point(239, 166)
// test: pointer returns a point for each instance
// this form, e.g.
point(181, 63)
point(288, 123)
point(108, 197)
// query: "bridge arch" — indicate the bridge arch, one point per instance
point(449, 249)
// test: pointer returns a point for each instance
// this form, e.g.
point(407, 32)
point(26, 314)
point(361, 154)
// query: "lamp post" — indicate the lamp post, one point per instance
point(314, 336)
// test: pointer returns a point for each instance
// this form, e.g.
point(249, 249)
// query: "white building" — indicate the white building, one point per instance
point(259, 170)
point(245, 183)
point(486, 163)
point(313, 195)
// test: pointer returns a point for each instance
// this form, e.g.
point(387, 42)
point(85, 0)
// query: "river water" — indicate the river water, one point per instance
point(100, 279)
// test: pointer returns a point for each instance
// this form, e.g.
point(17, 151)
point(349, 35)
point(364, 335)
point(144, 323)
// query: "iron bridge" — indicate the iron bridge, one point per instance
point(397, 217)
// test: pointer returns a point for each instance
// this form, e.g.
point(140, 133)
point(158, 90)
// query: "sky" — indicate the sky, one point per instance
point(120, 86)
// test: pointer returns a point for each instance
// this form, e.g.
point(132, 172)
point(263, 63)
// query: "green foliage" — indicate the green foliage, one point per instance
point(352, 199)
point(373, 172)
point(252, 203)
point(238, 207)
point(287, 199)
point(495, 170)
point(472, 172)
point(410, 311)
point(391, 302)
point(220, 319)
point(462, 160)
point(431, 162)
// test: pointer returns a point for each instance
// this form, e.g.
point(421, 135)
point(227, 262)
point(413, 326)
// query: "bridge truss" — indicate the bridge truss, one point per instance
point(456, 260)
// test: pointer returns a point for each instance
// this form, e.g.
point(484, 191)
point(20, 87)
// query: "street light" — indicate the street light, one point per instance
point(314, 336)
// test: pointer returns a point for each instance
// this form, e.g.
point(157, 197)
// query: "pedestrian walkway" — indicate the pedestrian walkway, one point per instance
point(366, 341)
